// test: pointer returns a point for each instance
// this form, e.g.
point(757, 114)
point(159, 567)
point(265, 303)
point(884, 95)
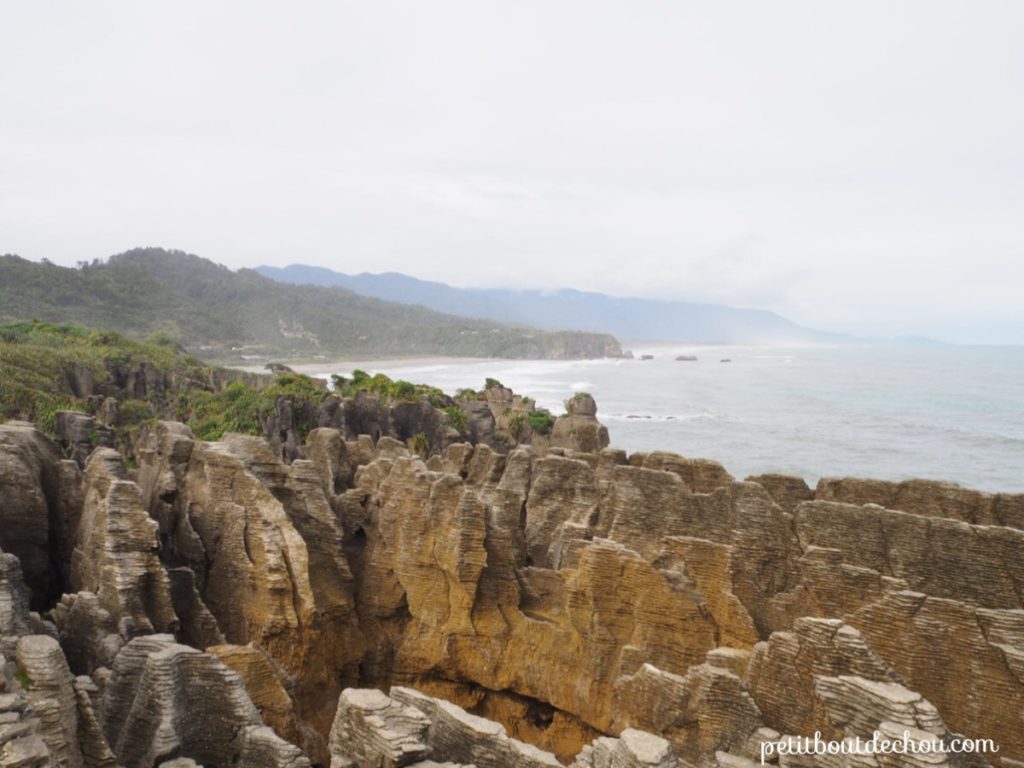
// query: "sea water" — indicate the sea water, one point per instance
point(882, 411)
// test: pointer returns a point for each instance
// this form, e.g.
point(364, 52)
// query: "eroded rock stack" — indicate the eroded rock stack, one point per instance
point(215, 606)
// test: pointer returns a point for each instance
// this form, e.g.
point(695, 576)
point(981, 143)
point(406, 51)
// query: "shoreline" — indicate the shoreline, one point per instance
point(310, 367)
point(313, 368)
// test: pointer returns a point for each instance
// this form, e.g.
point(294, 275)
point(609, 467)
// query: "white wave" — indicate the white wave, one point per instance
point(661, 417)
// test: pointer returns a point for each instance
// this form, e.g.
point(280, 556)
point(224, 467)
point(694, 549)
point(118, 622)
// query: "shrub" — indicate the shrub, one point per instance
point(404, 390)
point(383, 386)
point(133, 413)
point(163, 339)
point(238, 408)
point(541, 421)
point(456, 418)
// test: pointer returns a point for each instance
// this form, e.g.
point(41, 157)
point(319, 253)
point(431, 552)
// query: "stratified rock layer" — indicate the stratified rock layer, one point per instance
point(165, 700)
point(41, 496)
point(612, 610)
point(263, 558)
point(664, 595)
point(117, 556)
point(374, 730)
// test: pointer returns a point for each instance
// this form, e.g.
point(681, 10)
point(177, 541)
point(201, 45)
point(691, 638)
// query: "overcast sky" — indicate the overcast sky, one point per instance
point(856, 166)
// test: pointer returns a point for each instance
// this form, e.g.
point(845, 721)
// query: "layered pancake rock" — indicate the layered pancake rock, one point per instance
point(360, 606)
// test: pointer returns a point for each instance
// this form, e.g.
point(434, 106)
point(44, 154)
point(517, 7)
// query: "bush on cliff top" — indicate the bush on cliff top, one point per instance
point(243, 409)
point(383, 386)
point(541, 421)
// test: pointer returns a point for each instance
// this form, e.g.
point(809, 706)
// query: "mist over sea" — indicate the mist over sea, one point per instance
point(882, 411)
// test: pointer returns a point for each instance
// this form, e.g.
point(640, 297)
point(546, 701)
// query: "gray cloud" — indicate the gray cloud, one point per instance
point(856, 166)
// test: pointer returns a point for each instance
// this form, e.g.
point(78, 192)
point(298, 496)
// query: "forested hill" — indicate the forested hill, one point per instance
point(628, 319)
point(229, 316)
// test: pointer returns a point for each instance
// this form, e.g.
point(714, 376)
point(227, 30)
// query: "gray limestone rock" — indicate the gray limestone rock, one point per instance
point(372, 730)
point(165, 699)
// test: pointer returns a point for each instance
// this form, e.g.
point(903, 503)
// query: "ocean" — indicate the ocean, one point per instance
point(890, 412)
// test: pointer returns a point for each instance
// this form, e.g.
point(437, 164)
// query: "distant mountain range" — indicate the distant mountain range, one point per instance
point(628, 319)
point(232, 316)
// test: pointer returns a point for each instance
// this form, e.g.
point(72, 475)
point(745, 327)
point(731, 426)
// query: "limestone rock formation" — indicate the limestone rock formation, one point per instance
point(165, 700)
point(14, 599)
point(466, 620)
point(698, 475)
point(372, 729)
point(237, 602)
point(50, 693)
point(264, 553)
point(707, 710)
point(78, 434)
point(928, 498)
point(21, 744)
point(39, 514)
point(456, 736)
point(116, 556)
point(633, 749)
point(267, 686)
point(407, 727)
point(579, 429)
point(786, 491)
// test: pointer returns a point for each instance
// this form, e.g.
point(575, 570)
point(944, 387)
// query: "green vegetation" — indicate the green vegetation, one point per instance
point(237, 409)
point(490, 383)
point(456, 418)
point(515, 424)
point(419, 443)
point(173, 298)
point(132, 414)
point(23, 679)
point(382, 385)
point(45, 368)
point(243, 409)
point(541, 421)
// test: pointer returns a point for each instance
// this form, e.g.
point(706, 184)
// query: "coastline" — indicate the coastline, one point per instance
point(369, 365)
point(312, 367)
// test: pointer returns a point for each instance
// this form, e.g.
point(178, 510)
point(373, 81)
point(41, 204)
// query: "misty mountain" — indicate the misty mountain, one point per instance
point(231, 315)
point(628, 319)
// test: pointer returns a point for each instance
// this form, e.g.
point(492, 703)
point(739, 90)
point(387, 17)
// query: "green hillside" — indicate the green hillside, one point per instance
point(45, 368)
point(231, 316)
